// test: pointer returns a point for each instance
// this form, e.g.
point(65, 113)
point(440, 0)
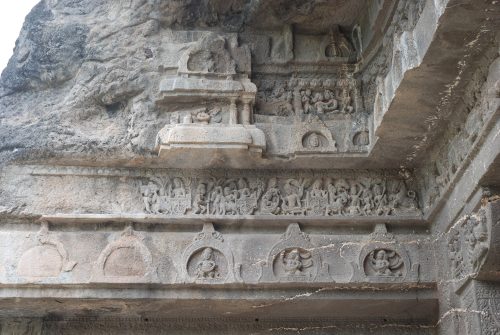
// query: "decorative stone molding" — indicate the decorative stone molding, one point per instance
point(47, 259)
point(125, 260)
point(209, 259)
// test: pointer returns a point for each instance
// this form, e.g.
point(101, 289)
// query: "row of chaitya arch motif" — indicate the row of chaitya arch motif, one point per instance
point(209, 259)
point(278, 196)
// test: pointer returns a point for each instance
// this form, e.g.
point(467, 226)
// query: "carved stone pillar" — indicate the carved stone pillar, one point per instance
point(233, 112)
point(246, 115)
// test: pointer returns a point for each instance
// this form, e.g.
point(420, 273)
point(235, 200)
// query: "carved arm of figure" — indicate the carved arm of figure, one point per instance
point(372, 259)
point(395, 260)
point(282, 257)
point(199, 271)
point(360, 192)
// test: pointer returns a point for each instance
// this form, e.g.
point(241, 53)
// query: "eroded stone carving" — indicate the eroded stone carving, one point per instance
point(209, 259)
point(305, 98)
point(383, 262)
point(312, 138)
point(361, 138)
point(271, 200)
point(207, 267)
point(295, 262)
point(468, 244)
point(47, 259)
point(294, 258)
point(484, 297)
point(321, 196)
point(339, 46)
point(167, 196)
point(383, 259)
point(125, 260)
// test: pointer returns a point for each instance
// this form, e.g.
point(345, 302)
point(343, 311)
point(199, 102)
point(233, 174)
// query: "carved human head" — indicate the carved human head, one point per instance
point(317, 184)
point(273, 182)
point(177, 183)
point(202, 188)
point(380, 255)
point(242, 183)
point(313, 140)
point(294, 254)
point(207, 254)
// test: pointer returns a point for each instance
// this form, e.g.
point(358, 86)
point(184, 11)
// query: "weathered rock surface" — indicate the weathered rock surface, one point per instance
point(251, 167)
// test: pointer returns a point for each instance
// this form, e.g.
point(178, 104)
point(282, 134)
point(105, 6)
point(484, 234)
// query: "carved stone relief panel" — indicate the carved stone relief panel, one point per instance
point(318, 195)
point(125, 260)
point(306, 97)
point(482, 302)
point(472, 245)
point(468, 244)
point(298, 105)
point(294, 258)
point(209, 259)
point(47, 259)
point(383, 259)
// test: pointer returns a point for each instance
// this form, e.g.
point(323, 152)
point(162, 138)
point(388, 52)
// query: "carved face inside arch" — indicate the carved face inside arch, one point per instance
point(361, 138)
point(207, 264)
point(314, 140)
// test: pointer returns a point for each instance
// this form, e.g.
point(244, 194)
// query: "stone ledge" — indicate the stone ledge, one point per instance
point(249, 220)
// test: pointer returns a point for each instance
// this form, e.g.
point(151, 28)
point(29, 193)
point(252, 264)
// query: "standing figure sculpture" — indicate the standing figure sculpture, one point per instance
point(200, 203)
